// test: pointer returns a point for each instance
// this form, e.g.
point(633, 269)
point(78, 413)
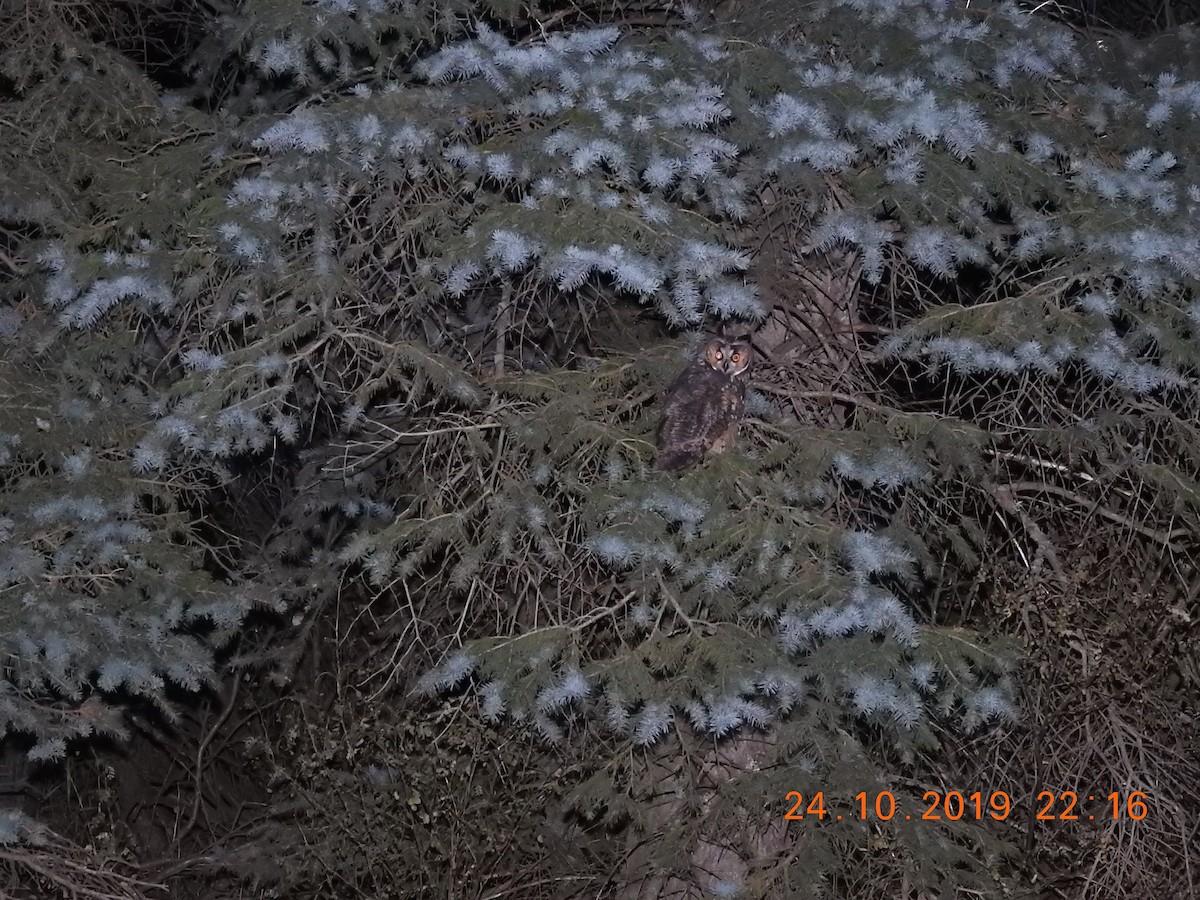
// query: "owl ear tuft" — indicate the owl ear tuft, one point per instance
point(724, 332)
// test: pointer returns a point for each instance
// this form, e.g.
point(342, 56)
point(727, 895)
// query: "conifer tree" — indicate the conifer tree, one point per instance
point(378, 269)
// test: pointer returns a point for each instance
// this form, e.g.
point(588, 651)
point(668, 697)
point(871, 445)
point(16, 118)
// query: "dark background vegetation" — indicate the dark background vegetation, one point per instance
point(311, 771)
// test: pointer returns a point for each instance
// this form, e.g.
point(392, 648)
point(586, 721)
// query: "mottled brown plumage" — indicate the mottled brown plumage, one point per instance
point(704, 405)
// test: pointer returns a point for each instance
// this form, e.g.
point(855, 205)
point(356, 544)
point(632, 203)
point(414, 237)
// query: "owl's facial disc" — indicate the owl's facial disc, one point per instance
point(715, 355)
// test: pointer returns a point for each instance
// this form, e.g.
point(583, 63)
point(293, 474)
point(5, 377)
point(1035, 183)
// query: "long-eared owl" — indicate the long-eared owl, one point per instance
point(704, 405)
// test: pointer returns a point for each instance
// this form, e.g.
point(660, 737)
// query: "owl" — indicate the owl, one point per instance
point(704, 405)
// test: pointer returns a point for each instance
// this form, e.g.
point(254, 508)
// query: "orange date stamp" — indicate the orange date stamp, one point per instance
point(954, 806)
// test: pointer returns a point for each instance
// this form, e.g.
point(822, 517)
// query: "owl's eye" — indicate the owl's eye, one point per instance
point(737, 357)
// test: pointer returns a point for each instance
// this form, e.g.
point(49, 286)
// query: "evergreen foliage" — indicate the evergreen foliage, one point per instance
point(358, 280)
